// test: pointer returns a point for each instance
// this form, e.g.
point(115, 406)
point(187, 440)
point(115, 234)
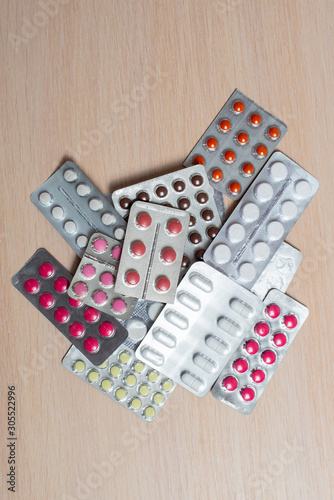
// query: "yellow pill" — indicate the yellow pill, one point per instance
point(158, 398)
point(120, 394)
point(103, 364)
point(149, 412)
point(124, 357)
point(144, 390)
point(115, 371)
point(131, 380)
point(79, 366)
point(138, 367)
point(106, 384)
point(167, 385)
point(153, 376)
point(135, 404)
point(93, 376)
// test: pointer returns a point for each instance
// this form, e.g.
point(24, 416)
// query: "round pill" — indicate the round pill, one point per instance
point(100, 297)
point(261, 250)
point(131, 380)
point(91, 315)
point(79, 366)
point(88, 271)
point(61, 285)
point(207, 215)
point(212, 143)
point(262, 329)
point(197, 180)
point(70, 175)
point(242, 138)
point(229, 156)
point(275, 230)
point(202, 198)
point(158, 398)
point(273, 311)
point(230, 383)
point(96, 204)
point(154, 310)
point(302, 189)
point(107, 329)
point(124, 357)
point(236, 232)
point(278, 171)
point(168, 255)
point(221, 253)
point(142, 196)
point(100, 245)
point(46, 300)
point(212, 232)
point(61, 315)
point(290, 321)
point(234, 187)
point(225, 125)
point(132, 278)
point(274, 133)
point(238, 107)
point(75, 303)
point(179, 186)
point(247, 394)
point(263, 191)
point(120, 394)
point(136, 329)
point(135, 403)
point(167, 385)
point(83, 189)
point(185, 261)
point(70, 227)
point(91, 345)
point(138, 248)
point(115, 371)
point(93, 376)
point(80, 289)
point(199, 254)
point(118, 305)
point(195, 238)
point(46, 270)
point(149, 412)
point(258, 376)
point(82, 241)
point(248, 169)
point(192, 221)
point(104, 364)
point(240, 365)
point(144, 390)
point(138, 366)
point(45, 198)
point(119, 233)
point(125, 203)
point(288, 209)
point(163, 284)
point(31, 286)
point(255, 119)
point(106, 385)
point(174, 226)
point(144, 220)
point(261, 150)
point(76, 330)
point(268, 357)
point(250, 212)
point(106, 279)
point(57, 213)
point(247, 271)
point(217, 174)
point(108, 219)
point(183, 203)
point(279, 339)
point(153, 376)
point(251, 347)
point(161, 192)
point(198, 160)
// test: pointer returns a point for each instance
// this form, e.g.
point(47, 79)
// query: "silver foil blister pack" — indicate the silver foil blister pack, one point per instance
point(236, 144)
point(76, 208)
point(260, 222)
point(152, 252)
point(193, 338)
point(94, 280)
point(248, 372)
point(124, 379)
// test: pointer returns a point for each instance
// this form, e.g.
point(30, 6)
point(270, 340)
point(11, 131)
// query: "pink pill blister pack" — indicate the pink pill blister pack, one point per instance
point(193, 338)
point(45, 282)
point(258, 225)
point(152, 252)
point(94, 280)
point(236, 145)
point(76, 208)
point(248, 372)
point(187, 190)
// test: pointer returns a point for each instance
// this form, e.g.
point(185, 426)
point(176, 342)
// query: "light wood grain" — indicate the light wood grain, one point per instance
point(89, 67)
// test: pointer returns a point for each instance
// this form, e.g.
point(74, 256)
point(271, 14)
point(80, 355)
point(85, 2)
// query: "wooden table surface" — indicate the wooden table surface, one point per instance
point(125, 89)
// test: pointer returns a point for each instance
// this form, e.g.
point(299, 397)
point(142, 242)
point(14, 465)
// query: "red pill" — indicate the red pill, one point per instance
point(258, 376)
point(230, 383)
point(229, 156)
point(132, 278)
point(163, 284)
point(225, 125)
point(251, 347)
point(240, 365)
point(47, 270)
point(91, 345)
point(261, 150)
point(168, 255)
point(61, 285)
point(235, 187)
point(76, 330)
point(238, 107)
point(290, 321)
point(61, 315)
point(31, 286)
point(248, 169)
point(198, 160)
point(261, 329)
point(269, 357)
point(174, 226)
point(255, 119)
point(217, 174)
point(75, 303)
point(91, 315)
point(138, 248)
point(107, 329)
point(273, 311)
point(212, 143)
point(144, 220)
point(46, 300)
point(273, 133)
point(243, 138)
point(279, 339)
point(247, 394)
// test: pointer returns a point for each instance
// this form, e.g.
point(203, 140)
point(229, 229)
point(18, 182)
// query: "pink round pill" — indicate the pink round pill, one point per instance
point(75, 303)
point(273, 311)
point(100, 245)
point(116, 252)
point(107, 329)
point(119, 305)
point(106, 279)
point(99, 297)
point(80, 289)
point(91, 345)
point(88, 270)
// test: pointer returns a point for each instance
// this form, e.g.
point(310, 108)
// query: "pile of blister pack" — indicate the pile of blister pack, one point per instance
point(168, 292)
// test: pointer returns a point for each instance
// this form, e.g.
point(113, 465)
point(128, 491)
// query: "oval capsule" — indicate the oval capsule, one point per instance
point(205, 363)
point(176, 319)
point(165, 338)
point(229, 327)
point(153, 356)
point(217, 345)
point(201, 282)
point(242, 308)
point(195, 383)
point(189, 301)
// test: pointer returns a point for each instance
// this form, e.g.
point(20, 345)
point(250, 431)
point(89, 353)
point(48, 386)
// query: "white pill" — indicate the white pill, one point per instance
point(70, 175)
point(247, 271)
point(261, 250)
point(275, 230)
point(136, 329)
point(221, 253)
point(82, 241)
point(303, 189)
point(96, 204)
point(206, 364)
point(153, 356)
point(242, 308)
point(176, 319)
point(45, 198)
point(57, 213)
point(189, 301)
point(229, 327)
point(201, 282)
point(70, 227)
point(250, 212)
point(154, 310)
point(193, 382)
point(278, 171)
point(119, 233)
point(289, 209)
point(263, 191)
point(83, 189)
point(108, 219)
point(165, 338)
point(217, 345)
point(236, 232)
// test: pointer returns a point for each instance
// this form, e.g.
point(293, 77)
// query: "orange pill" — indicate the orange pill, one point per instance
point(212, 143)
point(255, 119)
point(198, 160)
point(273, 133)
point(217, 174)
point(238, 107)
point(243, 138)
point(235, 187)
point(261, 150)
point(248, 169)
point(229, 156)
point(225, 125)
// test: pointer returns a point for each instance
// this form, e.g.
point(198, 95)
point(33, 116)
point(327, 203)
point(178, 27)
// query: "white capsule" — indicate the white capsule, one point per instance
point(189, 301)
point(152, 356)
point(165, 338)
point(176, 319)
point(217, 345)
point(206, 364)
point(201, 282)
point(229, 326)
point(242, 308)
point(193, 382)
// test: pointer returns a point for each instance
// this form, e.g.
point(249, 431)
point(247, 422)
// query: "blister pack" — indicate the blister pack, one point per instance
point(247, 374)
point(94, 280)
point(187, 190)
point(45, 282)
point(260, 222)
point(193, 338)
point(152, 252)
point(76, 208)
point(279, 272)
point(236, 145)
point(124, 379)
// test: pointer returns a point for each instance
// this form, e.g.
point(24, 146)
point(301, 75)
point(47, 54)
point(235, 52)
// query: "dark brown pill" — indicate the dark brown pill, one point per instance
point(212, 232)
point(192, 221)
point(197, 180)
point(195, 238)
point(199, 254)
point(142, 196)
point(167, 205)
point(179, 186)
point(161, 191)
point(183, 203)
point(185, 261)
point(207, 215)
point(202, 198)
point(125, 203)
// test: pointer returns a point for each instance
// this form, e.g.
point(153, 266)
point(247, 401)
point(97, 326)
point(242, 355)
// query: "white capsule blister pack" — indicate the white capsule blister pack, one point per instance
point(258, 225)
point(187, 190)
point(236, 145)
point(94, 280)
point(76, 208)
point(124, 379)
point(248, 372)
point(193, 338)
point(152, 252)
point(279, 272)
